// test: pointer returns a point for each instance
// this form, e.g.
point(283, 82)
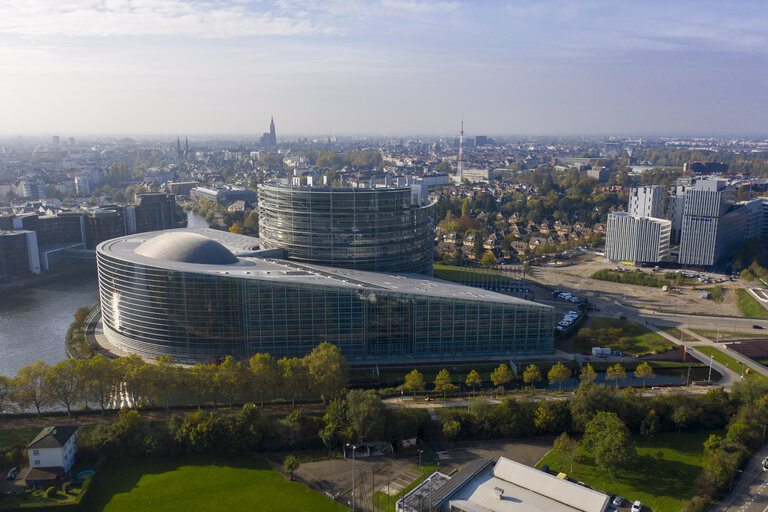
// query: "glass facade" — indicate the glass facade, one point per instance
point(194, 317)
point(358, 228)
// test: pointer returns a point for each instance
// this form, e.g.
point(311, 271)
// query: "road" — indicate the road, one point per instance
point(750, 491)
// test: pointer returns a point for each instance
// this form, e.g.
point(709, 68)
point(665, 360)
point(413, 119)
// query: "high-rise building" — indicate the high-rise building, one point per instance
point(634, 239)
point(712, 228)
point(647, 201)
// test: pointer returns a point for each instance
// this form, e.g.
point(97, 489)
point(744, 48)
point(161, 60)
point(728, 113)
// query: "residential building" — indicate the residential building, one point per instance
point(51, 454)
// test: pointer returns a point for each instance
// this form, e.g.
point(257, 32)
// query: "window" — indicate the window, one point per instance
point(35, 452)
point(36, 463)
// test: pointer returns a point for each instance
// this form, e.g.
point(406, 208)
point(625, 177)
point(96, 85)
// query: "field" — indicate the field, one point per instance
point(617, 334)
point(200, 483)
point(662, 477)
point(732, 363)
point(749, 306)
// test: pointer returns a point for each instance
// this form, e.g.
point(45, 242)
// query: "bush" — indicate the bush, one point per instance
point(50, 492)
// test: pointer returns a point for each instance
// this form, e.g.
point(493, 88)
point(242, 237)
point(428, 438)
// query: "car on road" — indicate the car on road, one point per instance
point(618, 501)
point(765, 464)
point(637, 506)
point(12, 473)
point(757, 326)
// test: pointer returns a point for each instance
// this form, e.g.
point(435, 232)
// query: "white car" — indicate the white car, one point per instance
point(765, 464)
point(618, 501)
point(637, 506)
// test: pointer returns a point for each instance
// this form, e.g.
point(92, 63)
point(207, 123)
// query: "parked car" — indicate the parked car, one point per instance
point(12, 474)
point(765, 464)
point(618, 501)
point(637, 506)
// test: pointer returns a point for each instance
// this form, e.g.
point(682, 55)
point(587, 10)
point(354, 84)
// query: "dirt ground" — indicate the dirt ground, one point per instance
point(576, 277)
point(334, 477)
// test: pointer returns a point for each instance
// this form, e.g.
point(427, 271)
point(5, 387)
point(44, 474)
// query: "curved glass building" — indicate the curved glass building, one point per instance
point(202, 294)
point(375, 229)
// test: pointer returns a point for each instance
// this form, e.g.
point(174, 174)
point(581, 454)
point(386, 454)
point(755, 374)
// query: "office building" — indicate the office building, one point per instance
point(197, 295)
point(18, 254)
point(647, 201)
point(224, 194)
point(599, 174)
point(378, 229)
point(634, 239)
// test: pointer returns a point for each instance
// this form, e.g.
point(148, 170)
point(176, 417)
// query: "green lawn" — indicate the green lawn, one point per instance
point(380, 499)
point(733, 364)
point(200, 483)
point(749, 305)
point(10, 437)
point(607, 332)
point(469, 275)
point(662, 483)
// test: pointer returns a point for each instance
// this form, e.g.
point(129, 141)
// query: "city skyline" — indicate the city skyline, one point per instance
point(384, 67)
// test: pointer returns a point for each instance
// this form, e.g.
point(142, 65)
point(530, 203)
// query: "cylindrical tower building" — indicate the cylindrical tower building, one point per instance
point(375, 229)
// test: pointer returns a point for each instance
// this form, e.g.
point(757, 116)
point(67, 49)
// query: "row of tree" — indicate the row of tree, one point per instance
point(110, 383)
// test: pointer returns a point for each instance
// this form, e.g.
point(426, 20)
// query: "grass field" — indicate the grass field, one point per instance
point(662, 477)
point(678, 334)
point(733, 364)
point(469, 275)
point(727, 335)
point(380, 499)
point(200, 483)
point(10, 437)
point(606, 332)
point(749, 305)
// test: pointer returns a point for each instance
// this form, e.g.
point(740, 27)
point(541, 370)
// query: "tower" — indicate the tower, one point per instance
point(460, 167)
point(178, 147)
point(186, 145)
point(272, 134)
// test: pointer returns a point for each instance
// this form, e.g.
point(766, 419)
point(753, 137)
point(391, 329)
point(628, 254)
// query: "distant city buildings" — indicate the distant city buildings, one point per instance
point(223, 194)
point(269, 139)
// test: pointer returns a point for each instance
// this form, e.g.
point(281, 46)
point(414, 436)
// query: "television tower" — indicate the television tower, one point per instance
point(460, 167)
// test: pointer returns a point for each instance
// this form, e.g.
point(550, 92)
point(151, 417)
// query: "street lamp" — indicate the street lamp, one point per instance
point(422, 451)
point(354, 447)
point(709, 378)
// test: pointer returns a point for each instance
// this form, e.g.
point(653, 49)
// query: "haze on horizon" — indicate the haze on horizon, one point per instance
point(383, 66)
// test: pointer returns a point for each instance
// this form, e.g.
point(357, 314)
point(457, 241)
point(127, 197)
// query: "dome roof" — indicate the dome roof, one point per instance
point(186, 247)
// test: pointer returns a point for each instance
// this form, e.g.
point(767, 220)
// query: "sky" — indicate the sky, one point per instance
point(389, 67)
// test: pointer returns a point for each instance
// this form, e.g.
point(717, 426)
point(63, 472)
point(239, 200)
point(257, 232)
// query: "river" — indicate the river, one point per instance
point(34, 320)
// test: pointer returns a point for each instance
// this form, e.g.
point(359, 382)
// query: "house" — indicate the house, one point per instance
point(51, 454)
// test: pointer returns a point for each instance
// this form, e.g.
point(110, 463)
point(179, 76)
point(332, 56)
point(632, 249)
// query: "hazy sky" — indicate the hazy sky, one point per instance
point(383, 66)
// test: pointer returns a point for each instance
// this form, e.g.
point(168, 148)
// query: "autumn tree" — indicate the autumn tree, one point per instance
point(644, 371)
point(588, 373)
point(607, 440)
point(414, 381)
point(443, 382)
point(265, 374)
point(30, 387)
point(62, 384)
point(104, 378)
point(328, 370)
point(165, 378)
point(501, 376)
point(6, 395)
point(532, 375)
point(616, 373)
point(293, 376)
point(232, 377)
point(566, 448)
point(559, 373)
point(473, 380)
point(290, 465)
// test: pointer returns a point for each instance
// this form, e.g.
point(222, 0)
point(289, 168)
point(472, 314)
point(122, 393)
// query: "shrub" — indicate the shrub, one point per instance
point(50, 492)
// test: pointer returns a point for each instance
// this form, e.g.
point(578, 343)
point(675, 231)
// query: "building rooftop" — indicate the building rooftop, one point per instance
point(52, 437)
point(252, 263)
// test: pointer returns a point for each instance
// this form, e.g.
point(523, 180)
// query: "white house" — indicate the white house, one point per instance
point(50, 453)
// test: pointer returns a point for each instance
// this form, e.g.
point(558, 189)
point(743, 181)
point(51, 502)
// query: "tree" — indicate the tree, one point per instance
point(6, 395)
point(616, 373)
point(290, 465)
point(488, 259)
point(335, 419)
point(473, 380)
point(365, 413)
point(650, 426)
point(328, 370)
point(559, 373)
point(465, 207)
point(644, 371)
point(232, 376)
point(251, 223)
point(451, 429)
point(588, 373)
point(713, 443)
point(501, 376)
point(104, 379)
point(607, 440)
point(443, 382)
point(294, 377)
point(265, 375)
point(566, 448)
point(199, 379)
point(414, 381)
point(237, 228)
point(532, 375)
point(62, 384)
point(30, 386)
point(165, 378)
